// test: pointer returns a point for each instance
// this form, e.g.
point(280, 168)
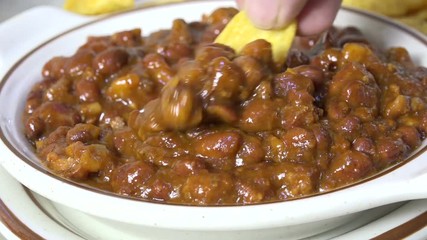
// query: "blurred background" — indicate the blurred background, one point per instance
point(9, 8)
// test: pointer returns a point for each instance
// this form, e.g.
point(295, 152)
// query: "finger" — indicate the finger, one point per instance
point(317, 16)
point(272, 14)
point(240, 3)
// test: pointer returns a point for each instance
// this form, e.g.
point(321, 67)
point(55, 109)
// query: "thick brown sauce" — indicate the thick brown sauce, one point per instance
point(172, 117)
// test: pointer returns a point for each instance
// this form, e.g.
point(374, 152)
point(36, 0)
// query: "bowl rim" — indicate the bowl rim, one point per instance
point(39, 168)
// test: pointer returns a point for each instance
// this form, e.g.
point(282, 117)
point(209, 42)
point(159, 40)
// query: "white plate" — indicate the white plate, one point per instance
point(44, 218)
point(25, 214)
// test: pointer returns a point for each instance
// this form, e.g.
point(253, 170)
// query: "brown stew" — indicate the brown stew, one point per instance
point(172, 117)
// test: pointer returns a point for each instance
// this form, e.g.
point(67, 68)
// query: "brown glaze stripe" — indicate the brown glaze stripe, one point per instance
point(15, 225)
point(406, 229)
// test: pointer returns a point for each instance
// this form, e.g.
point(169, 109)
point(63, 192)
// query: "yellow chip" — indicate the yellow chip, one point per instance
point(93, 7)
point(240, 31)
point(393, 8)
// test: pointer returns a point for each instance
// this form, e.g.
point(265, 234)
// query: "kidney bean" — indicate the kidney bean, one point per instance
point(190, 73)
point(87, 91)
point(130, 178)
point(79, 62)
point(79, 160)
point(110, 61)
point(349, 126)
point(259, 49)
point(55, 115)
point(217, 145)
point(410, 136)
point(176, 51)
point(208, 188)
point(130, 38)
point(188, 166)
point(157, 68)
point(250, 152)
point(389, 151)
point(293, 180)
point(346, 168)
point(34, 127)
point(323, 145)
point(313, 73)
point(54, 68)
point(179, 108)
point(180, 32)
point(264, 90)
point(253, 116)
point(220, 16)
point(208, 52)
point(274, 149)
point(85, 133)
point(224, 80)
point(364, 145)
point(288, 81)
point(299, 145)
point(254, 72)
point(222, 113)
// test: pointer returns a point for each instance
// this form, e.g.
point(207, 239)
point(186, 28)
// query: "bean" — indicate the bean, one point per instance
point(299, 145)
point(293, 180)
point(206, 53)
point(410, 136)
point(208, 188)
point(220, 16)
point(79, 62)
point(180, 108)
point(364, 145)
point(157, 68)
point(55, 115)
point(54, 68)
point(87, 91)
point(259, 49)
point(250, 152)
point(130, 178)
point(400, 55)
point(85, 133)
point(125, 141)
point(218, 145)
point(129, 38)
point(190, 73)
point(253, 116)
point(34, 127)
point(110, 61)
point(349, 126)
point(254, 72)
point(264, 90)
point(180, 32)
point(174, 52)
point(222, 113)
point(346, 168)
point(389, 151)
point(224, 80)
point(187, 166)
point(323, 145)
point(313, 73)
point(289, 81)
point(274, 148)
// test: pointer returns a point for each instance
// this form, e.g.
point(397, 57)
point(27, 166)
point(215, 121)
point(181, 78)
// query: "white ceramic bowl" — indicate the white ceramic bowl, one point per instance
point(291, 219)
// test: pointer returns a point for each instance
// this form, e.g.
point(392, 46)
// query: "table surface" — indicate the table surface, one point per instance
point(10, 8)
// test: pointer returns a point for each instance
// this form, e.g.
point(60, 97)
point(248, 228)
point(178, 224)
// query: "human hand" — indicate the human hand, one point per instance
point(313, 16)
